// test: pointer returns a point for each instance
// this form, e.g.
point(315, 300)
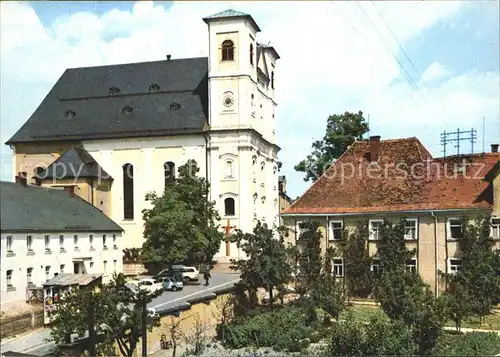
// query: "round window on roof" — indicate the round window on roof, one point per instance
point(154, 87)
point(70, 114)
point(175, 106)
point(127, 110)
point(114, 90)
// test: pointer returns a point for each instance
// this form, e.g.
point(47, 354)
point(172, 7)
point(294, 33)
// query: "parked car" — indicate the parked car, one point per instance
point(188, 273)
point(169, 273)
point(152, 286)
point(171, 284)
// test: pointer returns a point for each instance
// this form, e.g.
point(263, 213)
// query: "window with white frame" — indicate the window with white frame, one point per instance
point(114, 242)
point(454, 265)
point(105, 266)
point(495, 228)
point(336, 230)
point(29, 276)
point(61, 268)
point(411, 266)
point(9, 278)
point(29, 243)
point(375, 267)
point(338, 267)
point(75, 241)
point(104, 242)
point(454, 228)
point(299, 229)
point(114, 265)
point(47, 272)
point(9, 243)
point(47, 242)
point(375, 226)
point(91, 240)
point(228, 170)
point(411, 228)
point(61, 242)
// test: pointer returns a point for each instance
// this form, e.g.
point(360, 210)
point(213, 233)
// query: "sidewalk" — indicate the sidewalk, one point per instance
point(27, 342)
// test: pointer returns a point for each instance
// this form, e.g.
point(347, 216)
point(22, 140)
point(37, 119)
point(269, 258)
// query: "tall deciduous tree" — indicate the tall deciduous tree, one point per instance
point(310, 258)
point(114, 314)
point(182, 223)
point(341, 131)
point(267, 260)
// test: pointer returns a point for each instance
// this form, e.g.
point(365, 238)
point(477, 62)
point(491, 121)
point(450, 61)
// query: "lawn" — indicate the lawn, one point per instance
point(492, 321)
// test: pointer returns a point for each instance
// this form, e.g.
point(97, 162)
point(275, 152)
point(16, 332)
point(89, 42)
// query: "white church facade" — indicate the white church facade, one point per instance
point(139, 122)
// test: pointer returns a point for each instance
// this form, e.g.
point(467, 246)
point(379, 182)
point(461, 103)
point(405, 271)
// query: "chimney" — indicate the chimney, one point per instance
point(494, 147)
point(168, 57)
point(21, 179)
point(374, 147)
point(70, 190)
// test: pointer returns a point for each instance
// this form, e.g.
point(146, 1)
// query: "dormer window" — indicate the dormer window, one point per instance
point(127, 110)
point(227, 50)
point(114, 90)
point(154, 87)
point(175, 106)
point(70, 114)
point(251, 54)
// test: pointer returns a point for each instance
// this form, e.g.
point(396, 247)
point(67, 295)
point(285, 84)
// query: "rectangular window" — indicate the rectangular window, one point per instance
point(375, 267)
point(114, 241)
point(411, 266)
point(75, 241)
point(495, 228)
point(29, 276)
point(105, 264)
point(338, 267)
point(454, 265)
point(104, 241)
point(336, 230)
point(299, 229)
point(47, 242)
point(455, 228)
point(61, 268)
point(411, 228)
point(91, 240)
point(9, 243)
point(47, 272)
point(375, 225)
point(61, 242)
point(29, 243)
point(9, 278)
point(114, 265)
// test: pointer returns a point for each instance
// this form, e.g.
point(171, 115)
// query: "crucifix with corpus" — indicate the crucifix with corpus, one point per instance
point(228, 228)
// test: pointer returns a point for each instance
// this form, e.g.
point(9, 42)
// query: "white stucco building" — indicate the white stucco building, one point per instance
point(150, 118)
point(48, 231)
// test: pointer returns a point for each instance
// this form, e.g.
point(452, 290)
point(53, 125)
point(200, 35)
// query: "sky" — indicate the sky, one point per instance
point(416, 68)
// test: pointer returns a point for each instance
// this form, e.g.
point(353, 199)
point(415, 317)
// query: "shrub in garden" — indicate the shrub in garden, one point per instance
point(469, 344)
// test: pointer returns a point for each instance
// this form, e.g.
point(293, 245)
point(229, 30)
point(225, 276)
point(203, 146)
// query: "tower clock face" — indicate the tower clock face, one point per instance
point(228, 99)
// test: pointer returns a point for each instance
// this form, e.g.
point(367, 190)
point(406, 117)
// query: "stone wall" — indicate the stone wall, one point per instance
point(133, 269)
point(14, 325)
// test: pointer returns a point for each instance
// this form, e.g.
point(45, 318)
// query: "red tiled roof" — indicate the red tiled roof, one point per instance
point(405, 178)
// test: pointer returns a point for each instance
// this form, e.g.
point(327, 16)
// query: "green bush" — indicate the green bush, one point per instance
point(378, 337)
point(282, 329)
point(468, 344)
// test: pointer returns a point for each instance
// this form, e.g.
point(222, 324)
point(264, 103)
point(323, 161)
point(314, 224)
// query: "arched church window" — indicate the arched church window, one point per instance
point(229, 172)
point(251, 54)
point(128, 191)
point(169, 169)
point(272, 80)
point(229, 206)
point(227, 50)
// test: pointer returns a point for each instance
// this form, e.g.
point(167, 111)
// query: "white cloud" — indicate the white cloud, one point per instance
point(335, 56)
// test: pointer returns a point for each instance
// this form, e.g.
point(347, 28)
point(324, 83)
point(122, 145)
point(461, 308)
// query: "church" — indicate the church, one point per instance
point(117, 132)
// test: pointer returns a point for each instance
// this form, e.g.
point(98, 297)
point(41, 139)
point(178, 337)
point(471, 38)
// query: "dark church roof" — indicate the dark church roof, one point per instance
point(231, 14)
point(73, 163)
point(41, 209)
point(128, 100)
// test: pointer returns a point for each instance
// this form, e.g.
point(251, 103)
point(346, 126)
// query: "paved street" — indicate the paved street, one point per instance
point(36, 342)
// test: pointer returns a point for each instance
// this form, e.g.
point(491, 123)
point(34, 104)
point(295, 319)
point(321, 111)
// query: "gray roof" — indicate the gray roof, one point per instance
point(72, 279)
point(40, 209)
point(231, 14)
point(80, 105)
point(74, 161)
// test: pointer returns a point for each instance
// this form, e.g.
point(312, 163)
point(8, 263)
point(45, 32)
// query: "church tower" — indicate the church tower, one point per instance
point(242, 113)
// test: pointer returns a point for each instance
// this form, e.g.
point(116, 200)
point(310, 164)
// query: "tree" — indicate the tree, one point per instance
point(357, 261)
point(458, 303)
point(198, 336)
point(327, 292)
point(175, 332)
point(310, 259)
point(181, 225)
point(114, 314)
point(341, 131)
point(266, 265)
